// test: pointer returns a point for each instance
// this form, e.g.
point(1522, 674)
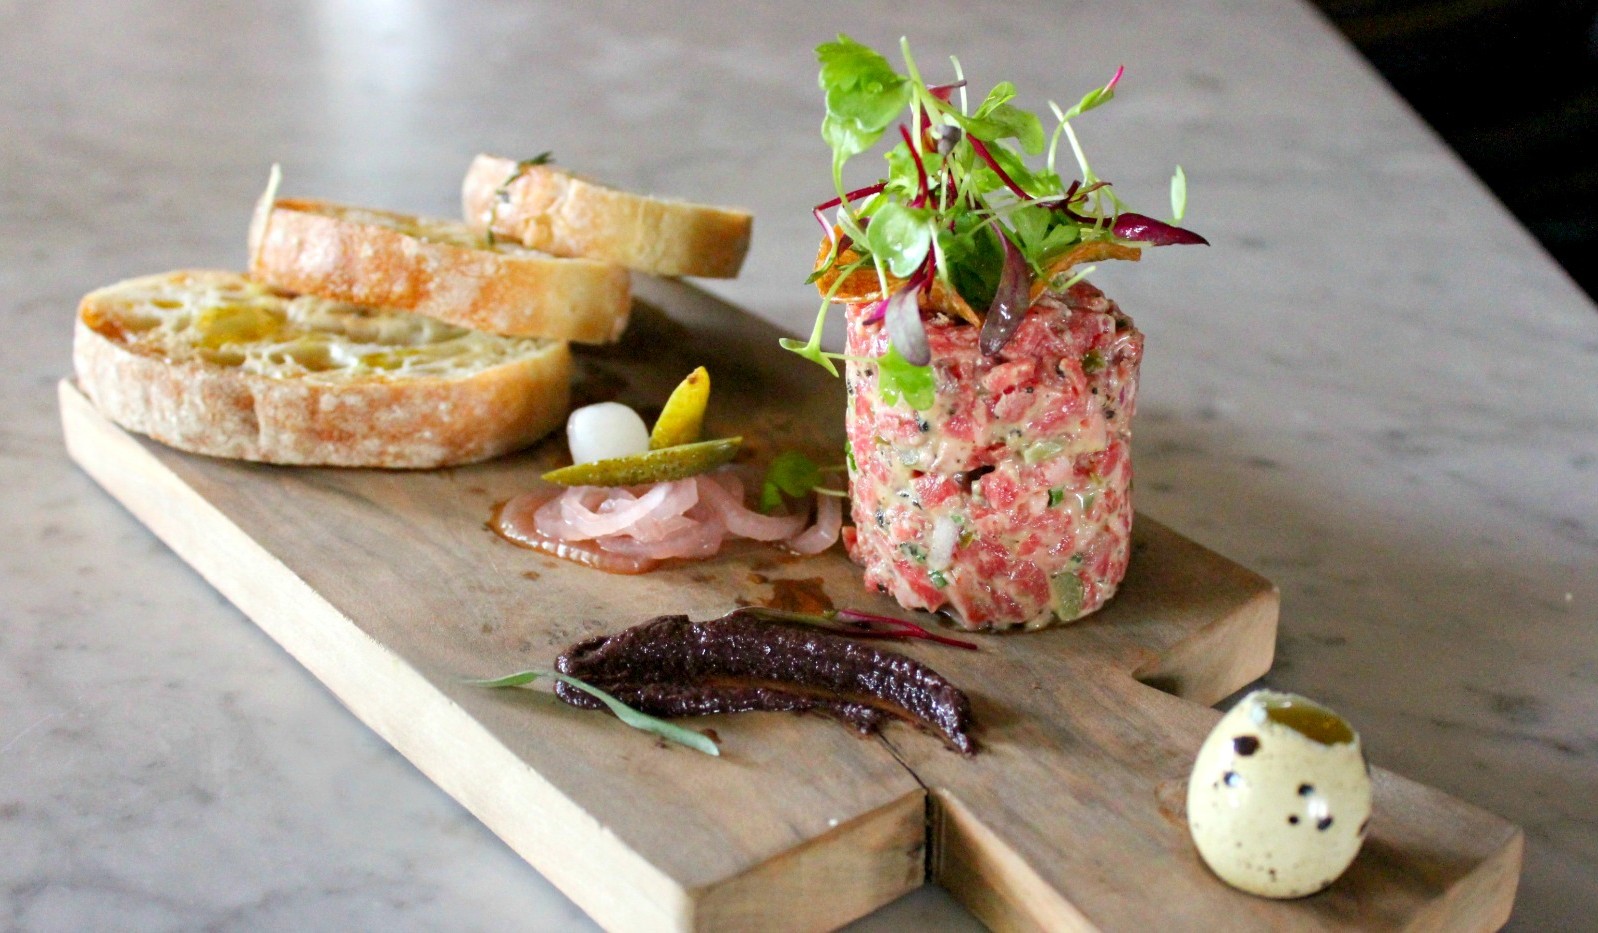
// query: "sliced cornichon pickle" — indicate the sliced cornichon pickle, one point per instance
point(680, 421)
point(656, 466)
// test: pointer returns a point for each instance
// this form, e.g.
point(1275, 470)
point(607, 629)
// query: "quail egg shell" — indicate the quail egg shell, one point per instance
point(605, 431)
point(1280, 796)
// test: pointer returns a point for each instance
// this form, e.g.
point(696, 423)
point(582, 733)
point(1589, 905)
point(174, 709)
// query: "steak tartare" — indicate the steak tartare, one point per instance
point(991, 389)
point(1007, 502)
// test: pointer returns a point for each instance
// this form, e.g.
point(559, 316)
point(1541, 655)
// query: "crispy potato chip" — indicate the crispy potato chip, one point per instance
point(863, 285)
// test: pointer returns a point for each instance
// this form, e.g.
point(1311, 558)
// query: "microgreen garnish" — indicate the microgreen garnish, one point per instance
point(793, 474)
point(850, 622)
point(1010, 301)
point(960, 212)
point(502, 193)
point(811, 349)
point(898, 378)
point(901, 314)
point(697, 741)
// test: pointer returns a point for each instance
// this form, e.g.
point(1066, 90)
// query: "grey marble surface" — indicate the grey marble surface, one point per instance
point(1374, 388)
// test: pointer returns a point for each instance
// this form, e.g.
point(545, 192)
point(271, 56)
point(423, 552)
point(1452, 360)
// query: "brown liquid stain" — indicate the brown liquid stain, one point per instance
point(801, 595)
point(531, 574)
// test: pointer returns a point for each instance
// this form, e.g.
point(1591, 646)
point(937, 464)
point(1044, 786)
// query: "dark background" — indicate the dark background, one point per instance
point(1512, 86)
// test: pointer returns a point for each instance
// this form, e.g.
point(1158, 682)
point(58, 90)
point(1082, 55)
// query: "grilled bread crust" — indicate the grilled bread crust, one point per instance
point(549, 209)
point(215, 363)
point(436, 268)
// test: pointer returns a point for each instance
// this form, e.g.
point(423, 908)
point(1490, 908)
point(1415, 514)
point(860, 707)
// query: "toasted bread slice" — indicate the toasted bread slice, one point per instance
point(547, 208)
point(215, 363)
point(435, 267)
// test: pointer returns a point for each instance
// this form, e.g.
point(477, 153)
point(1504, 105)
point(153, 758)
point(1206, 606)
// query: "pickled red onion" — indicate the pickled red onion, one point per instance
point(819, 537)
point(515, 523)
point(640, 526)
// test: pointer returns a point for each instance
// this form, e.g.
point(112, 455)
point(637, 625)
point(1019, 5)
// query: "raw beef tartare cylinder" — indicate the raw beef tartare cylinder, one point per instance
point(1008, 501)
point(991, 387)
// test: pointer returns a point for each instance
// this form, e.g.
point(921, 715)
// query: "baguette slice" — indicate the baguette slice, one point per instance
point(214, 363)
point(435, 267)
point(546, 208)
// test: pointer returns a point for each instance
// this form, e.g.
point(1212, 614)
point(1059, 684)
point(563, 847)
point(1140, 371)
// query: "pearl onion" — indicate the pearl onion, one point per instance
point(605, 431)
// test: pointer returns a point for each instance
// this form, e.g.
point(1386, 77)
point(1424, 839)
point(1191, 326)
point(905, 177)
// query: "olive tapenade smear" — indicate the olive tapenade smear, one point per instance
point(671, 666)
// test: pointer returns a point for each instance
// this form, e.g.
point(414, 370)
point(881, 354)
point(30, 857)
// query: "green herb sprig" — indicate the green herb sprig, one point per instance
point(671, 732)
point(793, 474)
point(502, 193)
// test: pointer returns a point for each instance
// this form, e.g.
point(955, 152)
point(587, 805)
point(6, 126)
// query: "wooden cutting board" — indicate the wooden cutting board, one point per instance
point(390, 589)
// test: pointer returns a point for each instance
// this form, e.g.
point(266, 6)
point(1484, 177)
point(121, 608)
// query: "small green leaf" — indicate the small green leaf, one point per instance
point(900, 236)
point(1178, 195)
point(904, 181)
point(846, 138)
point(1097, 97)
point(864, 95)
point(1002, 93)
point(998, 119)
point(791, 473)
point(697, 741)
point(1056, 496)
point(1038, 184)
point(973, 257)
point(898, 378)
point(938, 579)
point(1042, 234)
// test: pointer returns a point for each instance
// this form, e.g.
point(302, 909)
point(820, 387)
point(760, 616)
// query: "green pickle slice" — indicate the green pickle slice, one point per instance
point(684, 415)
point(657, 466)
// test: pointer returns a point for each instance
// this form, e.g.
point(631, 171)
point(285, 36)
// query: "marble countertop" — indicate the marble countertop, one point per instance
point(1374, 388)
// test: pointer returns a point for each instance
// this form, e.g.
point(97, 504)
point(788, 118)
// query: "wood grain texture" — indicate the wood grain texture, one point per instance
point(388, 587)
